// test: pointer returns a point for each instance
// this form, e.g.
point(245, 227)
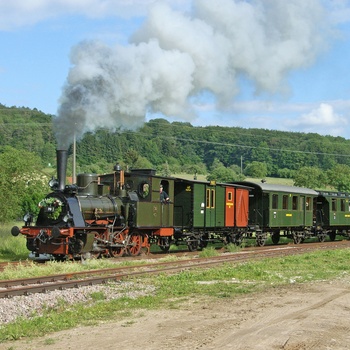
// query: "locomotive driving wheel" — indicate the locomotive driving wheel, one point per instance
point(95, 254)
point(135, 244)
point(119, 240)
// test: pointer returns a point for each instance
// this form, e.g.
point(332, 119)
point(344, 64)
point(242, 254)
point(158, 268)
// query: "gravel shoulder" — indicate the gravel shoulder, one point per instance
point(299, 316)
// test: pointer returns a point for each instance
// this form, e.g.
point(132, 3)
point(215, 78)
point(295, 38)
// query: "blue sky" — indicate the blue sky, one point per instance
point(254, 64)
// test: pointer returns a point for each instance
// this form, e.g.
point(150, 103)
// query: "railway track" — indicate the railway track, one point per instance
point(42, 284)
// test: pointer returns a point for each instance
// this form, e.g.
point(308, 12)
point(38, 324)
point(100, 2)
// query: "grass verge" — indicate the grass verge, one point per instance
point(12, 248)
point(227, 281)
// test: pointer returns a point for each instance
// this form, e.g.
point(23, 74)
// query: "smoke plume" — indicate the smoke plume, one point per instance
point(174, 56)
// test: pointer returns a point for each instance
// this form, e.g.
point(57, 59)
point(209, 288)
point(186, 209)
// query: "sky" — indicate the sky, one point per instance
point(271, 64)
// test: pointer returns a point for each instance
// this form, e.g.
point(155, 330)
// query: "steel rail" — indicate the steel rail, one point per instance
point(44, 284)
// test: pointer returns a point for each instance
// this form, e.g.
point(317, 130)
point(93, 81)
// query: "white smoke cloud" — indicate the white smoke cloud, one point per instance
point(175, 56)
point(114, 87)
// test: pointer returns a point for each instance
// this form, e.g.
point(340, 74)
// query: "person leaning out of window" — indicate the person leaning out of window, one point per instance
point(164, 198)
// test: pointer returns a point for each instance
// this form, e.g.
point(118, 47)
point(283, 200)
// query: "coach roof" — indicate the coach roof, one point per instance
point(266, 187)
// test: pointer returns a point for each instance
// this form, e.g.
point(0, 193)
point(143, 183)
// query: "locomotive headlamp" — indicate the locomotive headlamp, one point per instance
point(28, 219)
point(68, 218)
point(53, 183)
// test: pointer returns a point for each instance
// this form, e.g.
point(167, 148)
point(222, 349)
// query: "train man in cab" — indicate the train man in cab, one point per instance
point(164, 198)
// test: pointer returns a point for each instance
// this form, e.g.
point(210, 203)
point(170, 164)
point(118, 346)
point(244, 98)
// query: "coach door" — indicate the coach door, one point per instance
point(306, 211)
point(303, 208)
point(229, 208)
point(309, 213)
point(241, 207)
point(210, 198)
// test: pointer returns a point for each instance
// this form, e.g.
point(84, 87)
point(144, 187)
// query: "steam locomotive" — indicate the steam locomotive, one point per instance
point(121, 213)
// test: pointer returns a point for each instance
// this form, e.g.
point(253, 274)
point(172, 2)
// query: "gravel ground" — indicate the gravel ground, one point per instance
point(291, 317)
point(34, 305)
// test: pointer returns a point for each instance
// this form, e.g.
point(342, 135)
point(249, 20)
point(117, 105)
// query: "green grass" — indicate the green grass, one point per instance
point(12, 248)
point(226, 281)
point(272, 180)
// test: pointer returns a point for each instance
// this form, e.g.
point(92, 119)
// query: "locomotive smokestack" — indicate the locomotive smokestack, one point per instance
point(62, 156)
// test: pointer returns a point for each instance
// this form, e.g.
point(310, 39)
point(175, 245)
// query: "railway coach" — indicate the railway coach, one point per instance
point(333, 213)
point(279, 210)
point(209, 212)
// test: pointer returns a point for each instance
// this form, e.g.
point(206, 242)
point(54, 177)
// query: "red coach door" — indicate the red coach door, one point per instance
point(229, 207)
point(242, 207)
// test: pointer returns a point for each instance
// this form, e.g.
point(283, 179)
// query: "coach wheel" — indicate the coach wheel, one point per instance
point(275, 237)
point(332, 236)
point(192, 244)
point(235, 239)
point(164, 244)
point(135, 244)
point(297, 239)
point(238, 241)
point(260, 239)
point(322, 237)
point(204, 240)
point(119, 240)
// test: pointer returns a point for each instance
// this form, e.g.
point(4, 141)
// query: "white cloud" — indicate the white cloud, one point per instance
point(324, 115)
point(322, 120)
point(293, 117)
point(19, 13)
point(339, 11)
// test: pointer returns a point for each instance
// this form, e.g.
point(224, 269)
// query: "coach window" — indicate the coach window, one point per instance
point(275, 201)
point(308, 203)
point(229, 196)
point(342, 204)
point(285, 202)
point(210, 198)
point(295, 203)
point(334, 204)
point(213, 198)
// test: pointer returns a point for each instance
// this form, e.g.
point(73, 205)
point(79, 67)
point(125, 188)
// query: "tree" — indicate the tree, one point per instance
point(130, 157)
point(256, 169)
point(220, 173)
point(310, 177)
point(22, 184)
point(338, 177)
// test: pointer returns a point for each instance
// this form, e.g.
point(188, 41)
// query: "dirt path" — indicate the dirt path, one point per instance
point(309, 316)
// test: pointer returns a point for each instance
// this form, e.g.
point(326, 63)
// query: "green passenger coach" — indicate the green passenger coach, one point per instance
point(281, 210)
point(333, 213)
point(209, 212)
